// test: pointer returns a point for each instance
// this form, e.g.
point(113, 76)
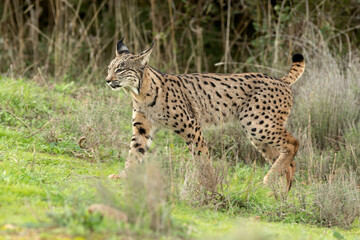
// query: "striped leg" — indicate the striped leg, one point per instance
point(140, 142)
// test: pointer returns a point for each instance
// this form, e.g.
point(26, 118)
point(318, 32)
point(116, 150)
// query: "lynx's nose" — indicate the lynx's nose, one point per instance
point(108, 81)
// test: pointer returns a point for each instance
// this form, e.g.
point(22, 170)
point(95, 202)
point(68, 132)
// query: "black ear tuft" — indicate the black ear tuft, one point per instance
point(121, 47)
point(152, 44)
point(297, 57)
point(149, 49)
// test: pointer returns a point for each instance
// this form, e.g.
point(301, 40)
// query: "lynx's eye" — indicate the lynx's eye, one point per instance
point(118, 71)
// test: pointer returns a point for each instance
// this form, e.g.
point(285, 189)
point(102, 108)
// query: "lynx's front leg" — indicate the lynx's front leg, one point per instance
point(140, 142)
point(194, 138)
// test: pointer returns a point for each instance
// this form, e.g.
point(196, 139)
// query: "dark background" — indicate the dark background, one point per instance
point(75, 40)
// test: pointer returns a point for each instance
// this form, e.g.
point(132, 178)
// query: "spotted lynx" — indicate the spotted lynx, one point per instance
point(186, 103)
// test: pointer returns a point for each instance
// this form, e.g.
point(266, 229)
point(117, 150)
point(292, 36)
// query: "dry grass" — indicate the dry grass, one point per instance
point(145, 198)
point(75, 39)
point(338, 201)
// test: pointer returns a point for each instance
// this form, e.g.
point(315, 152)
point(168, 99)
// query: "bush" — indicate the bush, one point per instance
point(145, 199)
point(337, 202)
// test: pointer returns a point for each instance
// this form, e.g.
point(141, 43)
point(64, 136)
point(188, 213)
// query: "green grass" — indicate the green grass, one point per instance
point(36, 185)
point(45, 190)
point(217, 225)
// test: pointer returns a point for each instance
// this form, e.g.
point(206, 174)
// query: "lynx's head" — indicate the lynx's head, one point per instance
point(126, 70)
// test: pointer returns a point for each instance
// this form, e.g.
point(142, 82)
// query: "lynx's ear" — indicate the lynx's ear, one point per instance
point(145, 55)
point(121, 48)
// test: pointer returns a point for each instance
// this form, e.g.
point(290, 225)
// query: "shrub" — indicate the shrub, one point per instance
point(145, 199)
point(337, 202)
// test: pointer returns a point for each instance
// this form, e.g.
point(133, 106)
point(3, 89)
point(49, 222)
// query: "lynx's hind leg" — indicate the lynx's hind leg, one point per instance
point(284, 165)
point(265, 128)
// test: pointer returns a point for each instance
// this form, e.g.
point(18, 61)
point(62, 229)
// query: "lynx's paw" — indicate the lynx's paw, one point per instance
point(117, 176)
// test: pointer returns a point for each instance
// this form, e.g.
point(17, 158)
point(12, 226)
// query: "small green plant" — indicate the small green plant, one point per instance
point(77, 220)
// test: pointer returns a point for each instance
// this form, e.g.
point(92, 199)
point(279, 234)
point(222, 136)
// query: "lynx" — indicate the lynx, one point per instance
point(186, 103)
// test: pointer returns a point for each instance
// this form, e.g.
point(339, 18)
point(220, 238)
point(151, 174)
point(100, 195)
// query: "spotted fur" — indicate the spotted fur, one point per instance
point(186, 103)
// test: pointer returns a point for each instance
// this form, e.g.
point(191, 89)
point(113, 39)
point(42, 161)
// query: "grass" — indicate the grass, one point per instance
point(47, 181)
point(32, 191)
point(215, 224)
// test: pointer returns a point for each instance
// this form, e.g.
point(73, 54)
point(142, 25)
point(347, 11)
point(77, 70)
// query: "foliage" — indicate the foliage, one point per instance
point(76, 39)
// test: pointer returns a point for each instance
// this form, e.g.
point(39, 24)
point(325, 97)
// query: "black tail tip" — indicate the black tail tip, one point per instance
point(297, 57)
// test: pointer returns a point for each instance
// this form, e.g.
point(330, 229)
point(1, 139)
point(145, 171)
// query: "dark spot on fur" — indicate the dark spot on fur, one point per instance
point(142, 131)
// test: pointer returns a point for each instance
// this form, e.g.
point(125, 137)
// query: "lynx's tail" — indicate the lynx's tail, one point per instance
point(297, 69)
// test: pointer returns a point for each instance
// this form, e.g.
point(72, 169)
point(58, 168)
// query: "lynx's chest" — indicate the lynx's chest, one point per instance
point(153, 108)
